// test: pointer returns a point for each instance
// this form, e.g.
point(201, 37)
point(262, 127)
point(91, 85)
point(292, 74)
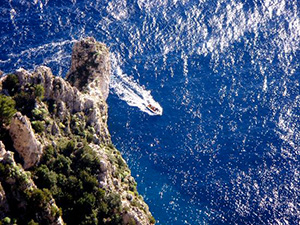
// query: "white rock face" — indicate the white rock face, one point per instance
point(90, 66)
point(2, 151)
point(70, 100)
point(25, 142)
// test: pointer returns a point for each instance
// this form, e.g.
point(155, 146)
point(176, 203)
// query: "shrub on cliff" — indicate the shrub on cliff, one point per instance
point(28, 96)
point(7, 109)
point(25, 103)
point(11, 84)
point(23, 193)
point(38, 126)
point(38, 198)
point(5, 221)
point(75, 181)
point(32, 222)
point(39, 91)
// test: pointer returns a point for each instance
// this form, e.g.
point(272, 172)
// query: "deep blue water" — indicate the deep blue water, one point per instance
point(225, 72)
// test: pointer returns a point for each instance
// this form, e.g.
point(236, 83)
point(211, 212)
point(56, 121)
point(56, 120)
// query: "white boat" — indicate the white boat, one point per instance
point(154, 109)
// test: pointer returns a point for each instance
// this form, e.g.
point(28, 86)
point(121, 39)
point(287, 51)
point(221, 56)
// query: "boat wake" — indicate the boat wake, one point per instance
point(128, 90)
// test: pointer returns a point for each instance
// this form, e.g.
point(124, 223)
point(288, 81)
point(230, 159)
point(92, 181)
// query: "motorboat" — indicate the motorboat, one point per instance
point(154, 109)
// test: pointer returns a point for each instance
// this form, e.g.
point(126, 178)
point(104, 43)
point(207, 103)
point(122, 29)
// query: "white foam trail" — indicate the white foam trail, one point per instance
point(129, 90)
point(42, 48)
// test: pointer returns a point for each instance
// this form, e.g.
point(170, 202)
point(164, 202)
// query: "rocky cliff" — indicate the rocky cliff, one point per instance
point(57, 162)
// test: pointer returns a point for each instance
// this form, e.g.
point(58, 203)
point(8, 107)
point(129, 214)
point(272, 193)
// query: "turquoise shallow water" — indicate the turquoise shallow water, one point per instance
point(225, 72)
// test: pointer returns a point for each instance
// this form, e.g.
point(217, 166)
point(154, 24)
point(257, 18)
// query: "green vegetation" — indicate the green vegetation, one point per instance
point(7, 109)
point(31, 222)
point(39, 113)
point(11, 84)
point(38, 126)
point(17, 183)
point(25, 103)
point(39, 91)
point(38, 198)
point(78, 124)
point(70, 173)
point(25, 96)
point(6, 220)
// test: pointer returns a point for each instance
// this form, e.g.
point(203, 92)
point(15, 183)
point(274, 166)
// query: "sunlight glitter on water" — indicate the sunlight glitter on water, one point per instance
point(226, 73)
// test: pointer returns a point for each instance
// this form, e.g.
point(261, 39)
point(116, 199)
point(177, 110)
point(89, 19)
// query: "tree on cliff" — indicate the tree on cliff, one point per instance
point(7, 109)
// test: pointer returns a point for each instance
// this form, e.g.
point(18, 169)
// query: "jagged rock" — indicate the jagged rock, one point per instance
point(3, 202)
point(75, 112)
point(70, 100)
point(2, 150)
point(24, 140)
point(103, 166)
point(90, 66)
point(108, 180)
point(55, 129)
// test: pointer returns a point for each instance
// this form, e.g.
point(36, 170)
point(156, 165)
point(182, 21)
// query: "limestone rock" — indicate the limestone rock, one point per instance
point(2, 150)
point(24, 140)
point(112, 181)
point(70, 100)
point(90, 66)
point(76, 109)
point(3, 202)
point(55, 129)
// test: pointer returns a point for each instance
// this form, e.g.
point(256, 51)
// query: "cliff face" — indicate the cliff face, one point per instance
point(24, 140)
point(90, 67)
point(73, 172)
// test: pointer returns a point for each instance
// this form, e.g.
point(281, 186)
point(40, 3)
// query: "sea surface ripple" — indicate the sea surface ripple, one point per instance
point(225, 72)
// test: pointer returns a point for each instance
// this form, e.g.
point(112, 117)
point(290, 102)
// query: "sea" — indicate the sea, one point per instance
point(226, 75)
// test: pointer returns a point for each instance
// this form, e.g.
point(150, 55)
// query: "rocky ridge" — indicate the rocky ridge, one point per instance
point(24, 140)
point(61, 138)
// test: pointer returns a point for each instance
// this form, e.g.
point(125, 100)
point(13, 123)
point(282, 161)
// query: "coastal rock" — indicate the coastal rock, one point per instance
point(90, 66)
point(3, 202)
point(70, 120)
point(69, 100)
point(2, 150)
point(24, 140)
point(117, 178)
point(55, 129)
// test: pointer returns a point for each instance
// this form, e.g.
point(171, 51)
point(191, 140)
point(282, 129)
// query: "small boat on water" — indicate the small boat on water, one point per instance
point(154, 109)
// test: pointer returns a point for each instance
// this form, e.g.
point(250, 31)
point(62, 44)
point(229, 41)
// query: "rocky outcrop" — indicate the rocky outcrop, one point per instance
point(3, 202)
point(69, 100)
point(116, 177)
point(70, 120)
point(2, 150)
point(24, 140)
point(90, 66)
